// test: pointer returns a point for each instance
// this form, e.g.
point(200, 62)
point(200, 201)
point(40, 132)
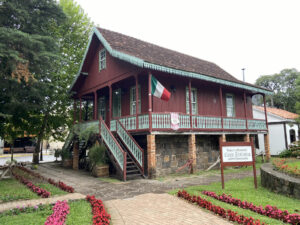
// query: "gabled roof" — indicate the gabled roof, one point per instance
point(278, 112)
point(146, 55)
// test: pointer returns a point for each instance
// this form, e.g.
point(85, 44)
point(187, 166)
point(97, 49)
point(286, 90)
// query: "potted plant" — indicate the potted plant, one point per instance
point(66, 157)
point(98, 161)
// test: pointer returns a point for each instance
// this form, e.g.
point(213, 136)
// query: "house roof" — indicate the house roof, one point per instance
point(147, 55)
point(278, 112)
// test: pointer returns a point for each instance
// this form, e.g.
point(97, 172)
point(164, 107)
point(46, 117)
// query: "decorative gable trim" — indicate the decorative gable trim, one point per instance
point(141, 63)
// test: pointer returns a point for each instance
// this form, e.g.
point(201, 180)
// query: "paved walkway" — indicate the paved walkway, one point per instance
point(159, 209)
point(34, 202)
point(142, 201)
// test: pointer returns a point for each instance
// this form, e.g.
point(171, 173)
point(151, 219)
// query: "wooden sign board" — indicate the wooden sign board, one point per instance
point(237, 154)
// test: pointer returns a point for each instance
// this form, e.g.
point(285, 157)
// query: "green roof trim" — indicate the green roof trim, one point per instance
point(141, 63)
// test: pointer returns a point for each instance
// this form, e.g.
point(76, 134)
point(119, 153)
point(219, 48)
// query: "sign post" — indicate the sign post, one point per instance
point(237, 154)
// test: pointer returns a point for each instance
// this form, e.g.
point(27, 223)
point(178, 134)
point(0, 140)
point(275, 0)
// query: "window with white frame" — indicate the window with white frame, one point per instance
point(133, 100)
point(193, 101)
point(102, 59)
point(230, 106)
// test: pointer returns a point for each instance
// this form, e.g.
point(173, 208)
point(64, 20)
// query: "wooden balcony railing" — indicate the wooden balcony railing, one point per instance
point(162, 121)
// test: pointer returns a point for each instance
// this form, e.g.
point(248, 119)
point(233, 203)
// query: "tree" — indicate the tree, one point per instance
point(27, 52)
point(283, 85)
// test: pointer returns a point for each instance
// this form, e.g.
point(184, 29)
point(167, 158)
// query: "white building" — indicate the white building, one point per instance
point(283, 129)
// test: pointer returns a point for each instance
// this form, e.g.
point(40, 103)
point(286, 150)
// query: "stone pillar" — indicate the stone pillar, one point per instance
point(267, 146)
point(151, 155)
point(247, 138)
point(223, 137)
point(192, 149)
point(75, 155)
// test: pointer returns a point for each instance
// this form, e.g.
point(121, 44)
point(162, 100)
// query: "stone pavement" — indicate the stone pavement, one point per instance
point(159, 209)
point(34, 202)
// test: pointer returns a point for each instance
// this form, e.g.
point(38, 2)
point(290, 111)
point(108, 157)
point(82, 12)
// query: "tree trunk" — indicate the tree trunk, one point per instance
point(12, 152)
point(41, 155)
point(35, 158)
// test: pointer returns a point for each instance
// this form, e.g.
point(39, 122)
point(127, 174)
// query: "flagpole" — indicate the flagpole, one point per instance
point(150, 101)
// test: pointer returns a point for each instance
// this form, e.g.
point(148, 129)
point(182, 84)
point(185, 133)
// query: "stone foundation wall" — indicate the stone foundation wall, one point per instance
point(279, 182)
point(207, 150)
point(172, 152)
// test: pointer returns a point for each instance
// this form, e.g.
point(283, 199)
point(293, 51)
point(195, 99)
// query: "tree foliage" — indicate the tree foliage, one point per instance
point(283, 85)
point(49, 40)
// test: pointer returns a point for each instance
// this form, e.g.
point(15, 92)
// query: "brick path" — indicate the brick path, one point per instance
point(159, 209)
point(34, 202)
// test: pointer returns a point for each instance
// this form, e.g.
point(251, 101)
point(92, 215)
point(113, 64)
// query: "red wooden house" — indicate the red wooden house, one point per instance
point(113, 89)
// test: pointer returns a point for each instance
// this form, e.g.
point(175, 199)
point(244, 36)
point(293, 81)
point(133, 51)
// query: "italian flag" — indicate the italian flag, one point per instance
point(158, 90)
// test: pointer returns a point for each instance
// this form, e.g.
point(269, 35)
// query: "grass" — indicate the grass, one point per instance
point(42, 184)
point(110, 180)
point(244, 190)
point(227, 170)
point(80, 213)
point(294, 163)
point(27, 218)
point(11, 189)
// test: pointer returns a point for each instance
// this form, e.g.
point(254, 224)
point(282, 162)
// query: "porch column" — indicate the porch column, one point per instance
point(76, 155)
point(190, 101)
point(245, 109)
point(110, 105)
point(223, 137)
point(267, 146)
point(74, 112)
point(221, 104)
point(247, 138)
point(80, 111)
point(137, 101)
point(151, 155)
point(265, 109)
point(192, 150)
point(95, 105)
point(150, 101)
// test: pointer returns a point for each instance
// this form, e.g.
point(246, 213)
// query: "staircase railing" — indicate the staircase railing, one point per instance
point(136, 151)
point(113, 146)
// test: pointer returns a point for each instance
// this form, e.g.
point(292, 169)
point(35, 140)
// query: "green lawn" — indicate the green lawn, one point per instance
point(11, 189)
point(43, 184)
point(227, 170)
point(244, 190)
point(80, 214)
point(294, 163)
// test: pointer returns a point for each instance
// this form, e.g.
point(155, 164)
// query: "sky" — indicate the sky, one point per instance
point(262, 36)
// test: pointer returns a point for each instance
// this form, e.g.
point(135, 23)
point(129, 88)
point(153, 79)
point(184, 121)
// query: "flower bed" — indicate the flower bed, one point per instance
point(60, 211)
point(100, 216)
point(270, 211)
point(281, 164)
point(24, 209)
point(228, 214)
point(58, 184)
point(39, 191)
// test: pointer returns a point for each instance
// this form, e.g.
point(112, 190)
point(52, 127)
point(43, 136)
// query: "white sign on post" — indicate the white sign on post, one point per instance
point(237, 153)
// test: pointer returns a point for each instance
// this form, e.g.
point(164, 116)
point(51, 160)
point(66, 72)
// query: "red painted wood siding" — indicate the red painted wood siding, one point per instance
point(114, 69)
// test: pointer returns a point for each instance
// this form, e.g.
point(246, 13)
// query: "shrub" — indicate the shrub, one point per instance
point(292, 151)
point(97, 155)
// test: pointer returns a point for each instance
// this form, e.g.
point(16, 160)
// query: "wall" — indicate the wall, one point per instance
point(279, 182)
point(277, 141)
point(290, 126)
point(172, 152)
